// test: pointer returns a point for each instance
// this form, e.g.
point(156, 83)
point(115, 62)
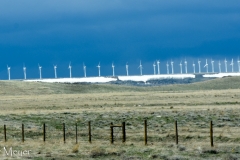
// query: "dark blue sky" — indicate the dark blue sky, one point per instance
point(57, 32)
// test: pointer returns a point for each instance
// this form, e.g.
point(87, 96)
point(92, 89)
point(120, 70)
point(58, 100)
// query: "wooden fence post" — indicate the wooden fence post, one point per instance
point(123, 132)
point(211, 134)
point(145, 132)
point(76, 134)
point(22, 132)
point(176, 132)
point(5, 133)
point(44, 132)
point(111, 133)
point(89, 132)
point(64, 136)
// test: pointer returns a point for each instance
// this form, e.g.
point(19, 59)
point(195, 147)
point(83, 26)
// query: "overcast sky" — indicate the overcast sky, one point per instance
point(106, 31)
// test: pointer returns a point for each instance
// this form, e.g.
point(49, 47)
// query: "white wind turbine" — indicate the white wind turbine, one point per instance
point(154, 68)
point(225, 61)
point(180, 67)
point(219, 67)
point(140, 67)
point(199, 66)
point(238, 65)
point(40, 71)
point(70, 70)
point(193, 67)
point(185, 62)
point(206, 65)
point(99, 67)
point(167, 67)
point(9, 73)
point(158, 64)
point(231, 64)
point(127, 68)
point(24, 72)
point(212, 62)
point(85, 70)
point(55, 70)
point(113, 69)
point(172, 66)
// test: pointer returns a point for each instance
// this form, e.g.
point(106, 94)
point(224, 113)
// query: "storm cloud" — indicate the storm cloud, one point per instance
point(57, 32)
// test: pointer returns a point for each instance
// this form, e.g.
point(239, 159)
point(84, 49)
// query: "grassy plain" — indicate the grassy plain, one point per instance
point(192, 105)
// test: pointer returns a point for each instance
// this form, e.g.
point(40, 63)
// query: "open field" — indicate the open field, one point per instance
point(192, 105)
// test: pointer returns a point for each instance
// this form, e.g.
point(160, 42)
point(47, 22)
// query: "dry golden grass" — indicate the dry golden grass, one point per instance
point(192, 108)
point(139, 100)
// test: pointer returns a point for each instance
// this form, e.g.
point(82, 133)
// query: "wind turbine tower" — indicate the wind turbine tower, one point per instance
point(140, 67)
point(206, 65)
point(172, 67)
point(25, 72)
point(154, 68)
point(9, 73)
point(232, 64)
point(193, 67)
point(84, 70)
point(212, 62)
point(219, 67)
point(40, 71)
point(70, 70)
point(127, 68)
point(113, 69)
point(180, 67)
point(158, 64)
point(55, 70)
point(199, 66)
point(238, 65)
point(185, 62)
point(99, 67)
point(225, 61)
point(167, 68)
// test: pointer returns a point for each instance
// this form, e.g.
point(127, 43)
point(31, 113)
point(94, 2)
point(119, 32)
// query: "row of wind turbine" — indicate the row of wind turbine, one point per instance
point(155, 64)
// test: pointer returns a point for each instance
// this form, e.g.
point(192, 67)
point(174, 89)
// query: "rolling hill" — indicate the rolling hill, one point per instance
point(35, 88)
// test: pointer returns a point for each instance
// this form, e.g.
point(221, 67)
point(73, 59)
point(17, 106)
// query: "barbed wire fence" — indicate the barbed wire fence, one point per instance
point(145, 132)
